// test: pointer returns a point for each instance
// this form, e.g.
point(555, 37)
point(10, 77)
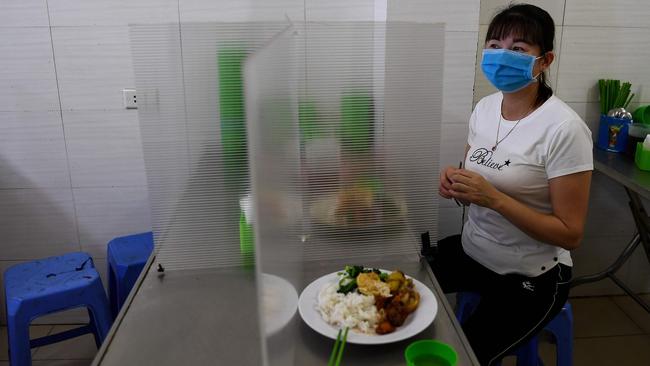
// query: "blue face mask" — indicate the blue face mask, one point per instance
point(508, 71)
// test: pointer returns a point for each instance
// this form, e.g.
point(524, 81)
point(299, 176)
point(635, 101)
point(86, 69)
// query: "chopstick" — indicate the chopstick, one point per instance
point(339, 345)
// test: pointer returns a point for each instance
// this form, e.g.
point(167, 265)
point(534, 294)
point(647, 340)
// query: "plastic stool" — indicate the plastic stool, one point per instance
point(561, 327)
point(127, 255)
point(50, 285)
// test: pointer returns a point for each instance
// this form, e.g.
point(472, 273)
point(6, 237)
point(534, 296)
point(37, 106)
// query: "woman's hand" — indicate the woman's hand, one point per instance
point(446, 182)
point(471, 187)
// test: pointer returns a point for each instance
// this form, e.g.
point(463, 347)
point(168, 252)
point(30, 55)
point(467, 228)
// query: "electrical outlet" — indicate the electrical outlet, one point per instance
point(129, 97)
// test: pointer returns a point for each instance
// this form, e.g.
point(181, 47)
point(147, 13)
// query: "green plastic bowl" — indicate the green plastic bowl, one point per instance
point(642, 115)
point(429, 352)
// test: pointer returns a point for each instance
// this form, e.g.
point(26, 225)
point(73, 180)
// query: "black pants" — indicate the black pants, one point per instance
point(513, 307)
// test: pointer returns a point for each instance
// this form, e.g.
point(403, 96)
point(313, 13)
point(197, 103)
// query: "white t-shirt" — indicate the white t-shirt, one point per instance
point(550, 142)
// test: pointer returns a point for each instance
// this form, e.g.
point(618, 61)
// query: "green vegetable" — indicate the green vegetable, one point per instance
point(383, 276)
point(613, 94)
point(353, 271)
point(348, 281)
point(347, 285)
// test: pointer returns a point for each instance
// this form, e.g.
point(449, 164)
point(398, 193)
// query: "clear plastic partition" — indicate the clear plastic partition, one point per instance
point(191, 108)
point(343, 127)
point(271, 147)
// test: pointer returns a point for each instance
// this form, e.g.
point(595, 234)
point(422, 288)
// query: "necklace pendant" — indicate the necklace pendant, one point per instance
point(494, 147)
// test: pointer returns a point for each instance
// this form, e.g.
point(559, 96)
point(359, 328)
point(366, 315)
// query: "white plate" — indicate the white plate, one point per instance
point(323, 211)
point(279, 302)
point(414, 324)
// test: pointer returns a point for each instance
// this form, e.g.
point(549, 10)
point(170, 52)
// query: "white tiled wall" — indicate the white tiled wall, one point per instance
point(241, 10)
point(24, 13)
point(74, 13)
point(607, 13)
point(32, 150)
point(610, 52)
point(340, 10)
point(93, 65)
point(36, 223)
point(72, 175)
point(460, 54)
point(27, 70)
point(104, 148)
point(595, 39)
point(104, 213)
point(458, 16)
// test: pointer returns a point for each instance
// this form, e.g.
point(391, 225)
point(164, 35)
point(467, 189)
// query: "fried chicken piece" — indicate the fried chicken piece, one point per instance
point(381, 301)
point(384, 327)
point(395, 313)
point(394, 310)
point(410, 299)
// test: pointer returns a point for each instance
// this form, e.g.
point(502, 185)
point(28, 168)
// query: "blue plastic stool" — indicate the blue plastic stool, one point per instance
point(127, 255)
point(561, 327)
point(47, 286)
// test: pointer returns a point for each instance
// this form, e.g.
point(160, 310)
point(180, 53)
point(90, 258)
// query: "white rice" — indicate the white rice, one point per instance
point(353, 310)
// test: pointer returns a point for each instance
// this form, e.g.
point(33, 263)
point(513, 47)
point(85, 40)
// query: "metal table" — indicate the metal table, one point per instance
point(636, 184)
point(203, 317)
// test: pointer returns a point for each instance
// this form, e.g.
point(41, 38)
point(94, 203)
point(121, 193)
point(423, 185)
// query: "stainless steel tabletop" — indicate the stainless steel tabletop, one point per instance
point(209, 317)
point(622, 169)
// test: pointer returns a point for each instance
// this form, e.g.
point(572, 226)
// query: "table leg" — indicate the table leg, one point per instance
point(642, 222)
point(622, 258)
point(634, 296)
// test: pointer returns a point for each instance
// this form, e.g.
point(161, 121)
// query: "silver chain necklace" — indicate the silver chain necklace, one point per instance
point(497, 141)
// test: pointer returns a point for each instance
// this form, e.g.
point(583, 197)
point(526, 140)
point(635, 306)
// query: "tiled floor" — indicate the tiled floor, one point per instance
point(608, 331)
point(73, 352)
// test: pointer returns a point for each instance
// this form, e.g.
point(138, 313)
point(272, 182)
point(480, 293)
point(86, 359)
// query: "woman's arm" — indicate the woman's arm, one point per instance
point(564, 227)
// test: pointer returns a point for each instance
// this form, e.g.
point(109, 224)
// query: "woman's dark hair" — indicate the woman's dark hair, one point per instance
point(532, 24)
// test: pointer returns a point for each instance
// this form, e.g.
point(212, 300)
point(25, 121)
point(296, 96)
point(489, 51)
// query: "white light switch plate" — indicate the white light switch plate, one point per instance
point(130, 101)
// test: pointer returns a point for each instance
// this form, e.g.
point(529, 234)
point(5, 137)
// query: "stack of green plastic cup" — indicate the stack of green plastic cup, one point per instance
point(246, 241)
point(232, 116)
point(356, 122)
point(233, 138)
point(308, 120)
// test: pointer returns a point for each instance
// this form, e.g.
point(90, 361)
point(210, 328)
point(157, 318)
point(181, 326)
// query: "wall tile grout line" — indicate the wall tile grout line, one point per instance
point(180, 43)
point(28, 110)
point(559, 52)
point(65, 142)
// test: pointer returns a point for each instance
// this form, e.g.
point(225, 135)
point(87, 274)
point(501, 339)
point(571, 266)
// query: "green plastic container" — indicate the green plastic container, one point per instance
point(357, 121)
point(231, 112)
point(642, 157)
point(429, 352)
point(642, 115)
point(246, 241)
point(308, 120)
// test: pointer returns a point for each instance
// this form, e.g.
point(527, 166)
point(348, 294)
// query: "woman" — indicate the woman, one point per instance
point(526, 180)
